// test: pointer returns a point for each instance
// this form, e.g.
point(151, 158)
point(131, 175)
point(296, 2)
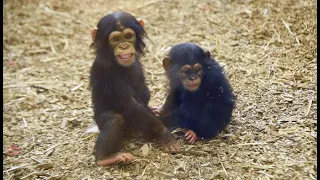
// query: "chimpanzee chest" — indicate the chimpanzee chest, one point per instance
point(137, 91)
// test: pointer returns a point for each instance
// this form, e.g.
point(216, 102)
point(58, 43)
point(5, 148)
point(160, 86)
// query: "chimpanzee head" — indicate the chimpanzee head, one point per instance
point(185, 65)
point(119, 37)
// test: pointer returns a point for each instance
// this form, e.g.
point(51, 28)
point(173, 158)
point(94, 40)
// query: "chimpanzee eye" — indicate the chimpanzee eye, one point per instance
point(197, 70)
point(116, 39)
point(128, 36)
point(187, 72)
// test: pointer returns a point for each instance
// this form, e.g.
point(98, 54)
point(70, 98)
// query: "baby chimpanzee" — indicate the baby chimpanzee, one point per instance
point(200, 99)
point(120, 95)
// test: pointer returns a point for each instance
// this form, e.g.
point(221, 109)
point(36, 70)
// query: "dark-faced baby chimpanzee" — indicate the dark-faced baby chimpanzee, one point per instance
point(119, 94)
point(200, 99)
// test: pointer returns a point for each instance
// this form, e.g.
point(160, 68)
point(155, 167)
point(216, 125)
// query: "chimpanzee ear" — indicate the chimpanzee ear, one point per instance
point(141, 23)
point(165, 62)
point(207, 53)
point(93, 33)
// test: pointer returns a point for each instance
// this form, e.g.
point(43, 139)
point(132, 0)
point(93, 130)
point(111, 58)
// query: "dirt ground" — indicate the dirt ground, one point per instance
point(267, 47)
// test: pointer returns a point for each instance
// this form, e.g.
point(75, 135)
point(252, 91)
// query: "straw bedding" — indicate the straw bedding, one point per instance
point(267, 47)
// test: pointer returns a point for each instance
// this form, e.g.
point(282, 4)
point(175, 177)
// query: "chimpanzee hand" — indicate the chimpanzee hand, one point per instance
point(156, 110)
point(191, 136)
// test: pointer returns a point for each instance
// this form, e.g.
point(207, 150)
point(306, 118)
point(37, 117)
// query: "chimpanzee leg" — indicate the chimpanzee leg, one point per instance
point(109, 141)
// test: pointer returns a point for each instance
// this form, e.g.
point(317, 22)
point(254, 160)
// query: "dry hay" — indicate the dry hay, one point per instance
point(268, 49)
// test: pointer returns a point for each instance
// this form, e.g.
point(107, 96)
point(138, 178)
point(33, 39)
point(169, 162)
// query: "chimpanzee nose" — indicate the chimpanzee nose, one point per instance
point(192, 77)
point(124, 46)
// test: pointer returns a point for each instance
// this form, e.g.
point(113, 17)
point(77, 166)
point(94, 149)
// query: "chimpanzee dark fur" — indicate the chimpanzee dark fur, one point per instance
point(206, 111)
point(119, 94)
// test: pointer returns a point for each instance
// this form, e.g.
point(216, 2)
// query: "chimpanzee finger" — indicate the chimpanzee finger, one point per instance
point(155, 112)
point(131, 156)
point(192, 140)
point(187, 133)
point(172, 147)
point(189, 136)
point(167, 148)
point(128, 157)
point(176, 146)
point(155, 108)
point(121, 159)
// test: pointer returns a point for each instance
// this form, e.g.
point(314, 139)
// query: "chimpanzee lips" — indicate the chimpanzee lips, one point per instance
point(193, 85)
point(125, 56)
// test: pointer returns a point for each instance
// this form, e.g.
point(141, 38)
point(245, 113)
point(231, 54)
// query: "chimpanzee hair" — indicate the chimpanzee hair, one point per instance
point(207, 110)
point(117, 22)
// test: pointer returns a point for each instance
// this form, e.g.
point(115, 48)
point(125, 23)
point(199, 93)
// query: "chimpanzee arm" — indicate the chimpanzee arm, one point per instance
point(145, 96)
point(171, 104)
point(141, 119)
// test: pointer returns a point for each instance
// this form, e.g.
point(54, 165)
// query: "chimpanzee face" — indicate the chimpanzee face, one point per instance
point(191, 76)
point(122, 44)
point(120, 34)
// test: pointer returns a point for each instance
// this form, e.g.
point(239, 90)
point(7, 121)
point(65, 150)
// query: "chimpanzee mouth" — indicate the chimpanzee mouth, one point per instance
point(125, 57)
point(193, 85)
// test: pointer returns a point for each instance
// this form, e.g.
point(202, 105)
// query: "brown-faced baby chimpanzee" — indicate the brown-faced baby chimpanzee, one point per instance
point(119, 94)
point(200, 99)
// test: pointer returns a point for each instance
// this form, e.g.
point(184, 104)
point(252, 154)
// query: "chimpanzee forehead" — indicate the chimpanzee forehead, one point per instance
point(187, 53)
point(120, 26)
point(189, 58)
point(124, 20)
